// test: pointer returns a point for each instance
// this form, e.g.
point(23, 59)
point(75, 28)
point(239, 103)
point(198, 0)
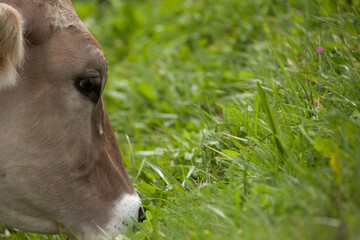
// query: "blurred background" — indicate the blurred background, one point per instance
point(236, 119)
point(194, 130)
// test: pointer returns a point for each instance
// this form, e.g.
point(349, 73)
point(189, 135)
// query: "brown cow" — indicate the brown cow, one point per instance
point(60, 165)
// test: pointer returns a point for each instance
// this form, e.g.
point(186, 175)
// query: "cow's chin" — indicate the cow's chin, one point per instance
point(33, 224)
point(123, 214)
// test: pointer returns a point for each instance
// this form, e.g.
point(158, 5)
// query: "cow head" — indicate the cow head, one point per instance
point(60, 166)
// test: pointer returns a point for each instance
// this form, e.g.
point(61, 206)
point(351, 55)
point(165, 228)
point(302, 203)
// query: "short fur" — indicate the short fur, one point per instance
point(56, 168)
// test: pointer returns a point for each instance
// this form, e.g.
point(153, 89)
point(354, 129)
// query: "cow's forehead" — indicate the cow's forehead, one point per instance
point(66, 15)
point(67, 19)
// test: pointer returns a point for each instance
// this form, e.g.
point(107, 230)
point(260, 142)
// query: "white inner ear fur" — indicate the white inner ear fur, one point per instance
point(11, 45)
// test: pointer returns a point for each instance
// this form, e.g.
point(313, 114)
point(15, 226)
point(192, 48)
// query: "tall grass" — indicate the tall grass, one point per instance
point(232, 124)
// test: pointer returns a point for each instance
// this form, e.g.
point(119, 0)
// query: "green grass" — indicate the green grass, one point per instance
point(231, 125)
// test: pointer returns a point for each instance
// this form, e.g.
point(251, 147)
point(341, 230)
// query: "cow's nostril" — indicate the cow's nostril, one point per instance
point(142, 216)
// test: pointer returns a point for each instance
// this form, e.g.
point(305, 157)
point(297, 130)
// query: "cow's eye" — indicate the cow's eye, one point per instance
point(90, 86)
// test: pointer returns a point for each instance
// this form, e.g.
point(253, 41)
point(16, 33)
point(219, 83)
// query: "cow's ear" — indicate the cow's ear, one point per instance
point(11, 45)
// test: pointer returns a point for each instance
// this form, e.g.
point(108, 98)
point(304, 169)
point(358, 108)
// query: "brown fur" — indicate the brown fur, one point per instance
point(58, 169)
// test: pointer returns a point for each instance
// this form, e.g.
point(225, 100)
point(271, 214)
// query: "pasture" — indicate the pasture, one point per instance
point(236, 119)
